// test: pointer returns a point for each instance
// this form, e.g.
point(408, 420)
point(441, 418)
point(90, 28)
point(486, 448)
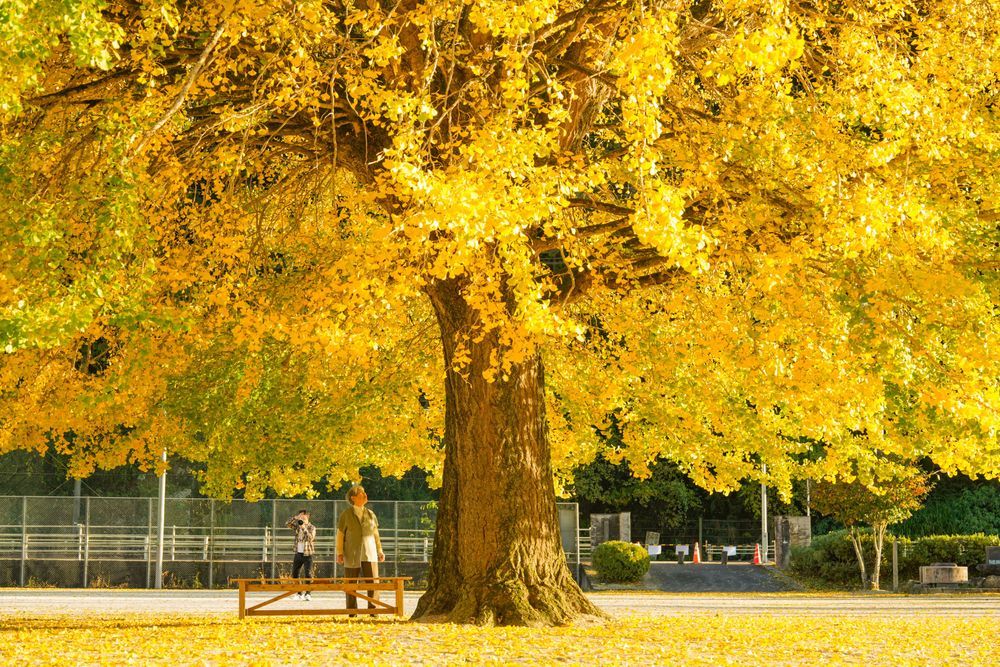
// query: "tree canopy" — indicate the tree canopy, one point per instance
point(756, 232)
point(244, 204)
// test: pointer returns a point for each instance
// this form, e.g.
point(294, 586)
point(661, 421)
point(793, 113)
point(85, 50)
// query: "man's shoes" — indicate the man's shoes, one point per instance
point(307, 597)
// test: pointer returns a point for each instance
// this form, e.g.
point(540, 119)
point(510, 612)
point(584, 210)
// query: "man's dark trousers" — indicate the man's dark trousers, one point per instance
point(300, 561)
point(355, 572)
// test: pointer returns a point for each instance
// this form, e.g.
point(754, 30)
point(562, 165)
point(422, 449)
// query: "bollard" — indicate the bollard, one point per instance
point(680, 557)
point(725, 556)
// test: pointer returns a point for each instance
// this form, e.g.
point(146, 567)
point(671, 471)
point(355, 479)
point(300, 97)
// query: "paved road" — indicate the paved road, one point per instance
point(707, 578)
point(716, 578)
point(19, 602)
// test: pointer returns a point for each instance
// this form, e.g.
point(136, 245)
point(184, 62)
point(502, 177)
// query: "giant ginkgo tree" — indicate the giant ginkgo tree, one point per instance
point(293, 238)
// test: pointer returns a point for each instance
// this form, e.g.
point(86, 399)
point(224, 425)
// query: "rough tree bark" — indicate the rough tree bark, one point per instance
point(498, 557)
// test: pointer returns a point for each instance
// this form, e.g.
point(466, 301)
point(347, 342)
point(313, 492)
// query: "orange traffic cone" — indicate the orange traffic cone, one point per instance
point(756, 554)
point(697, 554)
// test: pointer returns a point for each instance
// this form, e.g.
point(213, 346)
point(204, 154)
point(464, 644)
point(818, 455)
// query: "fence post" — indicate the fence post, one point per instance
point(895, 565)
point(274, 542)
point(211, 543)
point(24, 537)
point(395, 541)
point(86, 542)
point(149, 539)
point(336, 518)
point(576, 537)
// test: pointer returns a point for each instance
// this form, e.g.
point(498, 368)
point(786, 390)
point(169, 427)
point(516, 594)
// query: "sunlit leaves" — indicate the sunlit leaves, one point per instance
point(701, 639)
point(33, 30)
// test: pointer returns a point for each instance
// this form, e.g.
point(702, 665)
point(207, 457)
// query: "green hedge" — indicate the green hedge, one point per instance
point(831, 557)
point(971, 511)
point(620, 562)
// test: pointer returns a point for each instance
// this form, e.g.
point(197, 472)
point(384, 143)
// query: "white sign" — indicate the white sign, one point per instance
point(682, 549)
point(654, 549)
point(730, 551)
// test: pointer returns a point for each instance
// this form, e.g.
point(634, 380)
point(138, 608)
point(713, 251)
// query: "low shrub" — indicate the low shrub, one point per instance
point(831, 557)
point(967, 550)
point(620, 562)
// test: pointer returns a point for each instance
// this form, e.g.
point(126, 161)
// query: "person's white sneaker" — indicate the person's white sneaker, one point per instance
point(308, 597)
point(298, 596)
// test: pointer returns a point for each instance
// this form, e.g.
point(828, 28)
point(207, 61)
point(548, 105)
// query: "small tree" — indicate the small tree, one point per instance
point(879, 505)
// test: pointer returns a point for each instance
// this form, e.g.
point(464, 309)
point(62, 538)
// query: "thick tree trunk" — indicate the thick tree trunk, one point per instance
point(498, 557)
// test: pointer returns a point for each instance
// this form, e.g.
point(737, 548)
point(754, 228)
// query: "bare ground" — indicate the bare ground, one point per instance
point(35, 602)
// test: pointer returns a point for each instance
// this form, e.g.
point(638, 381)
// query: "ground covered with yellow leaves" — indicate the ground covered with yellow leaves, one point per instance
point(703, 639)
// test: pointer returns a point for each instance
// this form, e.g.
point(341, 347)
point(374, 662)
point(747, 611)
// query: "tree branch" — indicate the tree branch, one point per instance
point(188, 83)
point(584, 202)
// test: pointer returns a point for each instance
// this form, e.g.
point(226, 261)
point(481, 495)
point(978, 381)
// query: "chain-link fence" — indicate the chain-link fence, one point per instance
point(98, 542)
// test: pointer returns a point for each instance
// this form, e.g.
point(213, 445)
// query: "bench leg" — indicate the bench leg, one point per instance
point(243, 599)
point(399, 599)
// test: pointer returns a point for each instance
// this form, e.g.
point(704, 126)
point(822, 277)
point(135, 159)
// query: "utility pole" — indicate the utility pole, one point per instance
point(160, 521)
point(77, 492)
point(763, 514)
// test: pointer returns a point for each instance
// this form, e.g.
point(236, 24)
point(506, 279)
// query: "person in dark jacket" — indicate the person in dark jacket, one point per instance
point(305, 547)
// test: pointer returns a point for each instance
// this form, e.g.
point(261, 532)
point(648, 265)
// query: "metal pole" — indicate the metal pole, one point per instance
point(211, 544)
point(24, 536)
point(160, 521)
point(700, 540)
point(77, 492)
point(336, 518)
point(395, 542)
point(149, 543)
point(576, 534)
point(808, 500)
point(86, 542)
point(763, 514)
point(274, 540)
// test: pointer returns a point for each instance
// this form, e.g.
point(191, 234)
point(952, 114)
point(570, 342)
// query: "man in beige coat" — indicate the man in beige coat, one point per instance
point(359, 547)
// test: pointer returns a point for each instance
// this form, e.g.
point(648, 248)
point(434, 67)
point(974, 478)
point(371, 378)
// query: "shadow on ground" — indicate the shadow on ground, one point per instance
point(708, 578)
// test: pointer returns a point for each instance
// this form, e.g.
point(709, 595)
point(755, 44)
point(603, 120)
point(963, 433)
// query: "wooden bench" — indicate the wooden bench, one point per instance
point(286, 586)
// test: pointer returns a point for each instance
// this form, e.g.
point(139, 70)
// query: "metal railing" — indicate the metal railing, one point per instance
point(248, 545)
point(709, 552)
